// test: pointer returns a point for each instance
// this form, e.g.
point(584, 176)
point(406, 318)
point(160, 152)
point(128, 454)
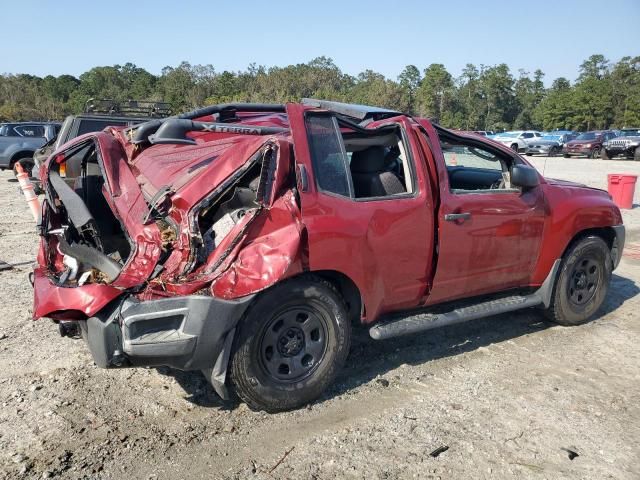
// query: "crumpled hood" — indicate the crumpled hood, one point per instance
point(174, 166)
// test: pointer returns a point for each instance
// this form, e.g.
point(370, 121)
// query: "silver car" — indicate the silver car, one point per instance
point(550, 144)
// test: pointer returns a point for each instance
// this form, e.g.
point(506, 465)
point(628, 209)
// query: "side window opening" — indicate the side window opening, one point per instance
point(358, 164)
point(474, 169)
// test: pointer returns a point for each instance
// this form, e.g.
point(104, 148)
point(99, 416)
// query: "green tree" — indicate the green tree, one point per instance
point(409, 80)
point(436, 91)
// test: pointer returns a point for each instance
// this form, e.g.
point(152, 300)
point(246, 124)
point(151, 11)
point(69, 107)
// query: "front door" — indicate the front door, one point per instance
point(490, 233)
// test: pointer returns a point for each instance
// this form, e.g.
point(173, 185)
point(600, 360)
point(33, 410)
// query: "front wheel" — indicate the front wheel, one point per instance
point(582, 283)
point(595, 153)
point(636, 155)
point(553, 151)
point(604, 155)
point(514, 147)
point(292, 343)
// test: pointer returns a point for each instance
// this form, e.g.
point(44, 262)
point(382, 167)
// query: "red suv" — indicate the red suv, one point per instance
point(245, 240)
point(587, 144)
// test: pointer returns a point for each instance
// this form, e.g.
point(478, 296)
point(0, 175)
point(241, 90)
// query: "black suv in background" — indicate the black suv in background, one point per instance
point(100, 114)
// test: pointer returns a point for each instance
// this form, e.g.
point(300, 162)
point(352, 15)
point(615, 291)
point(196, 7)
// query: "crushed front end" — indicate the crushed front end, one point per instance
point(154, 246)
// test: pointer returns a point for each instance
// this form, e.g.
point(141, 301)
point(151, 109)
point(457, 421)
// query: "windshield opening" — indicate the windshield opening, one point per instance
point(587, 136)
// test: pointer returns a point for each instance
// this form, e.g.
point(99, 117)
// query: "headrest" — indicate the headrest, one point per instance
point(368, 160)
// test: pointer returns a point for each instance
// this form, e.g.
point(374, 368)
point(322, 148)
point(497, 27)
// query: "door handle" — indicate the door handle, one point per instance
point(454, 217)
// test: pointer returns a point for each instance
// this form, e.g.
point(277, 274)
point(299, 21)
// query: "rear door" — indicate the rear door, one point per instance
point(383, 244)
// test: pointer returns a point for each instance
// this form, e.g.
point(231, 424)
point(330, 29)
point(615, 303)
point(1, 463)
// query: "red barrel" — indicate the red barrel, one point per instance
point(622, 186)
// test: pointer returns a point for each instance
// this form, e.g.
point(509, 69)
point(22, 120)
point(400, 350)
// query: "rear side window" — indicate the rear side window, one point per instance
point(87, 126)
point(330, 162)
point(29, 130)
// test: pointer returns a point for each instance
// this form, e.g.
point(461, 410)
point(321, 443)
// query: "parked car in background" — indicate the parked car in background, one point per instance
point(100, 114)
point(20, 140)
point(484, 133)
point(215, 241)
point(550, 144)
point(627, 143)
point(519, 140)
point(587, 144)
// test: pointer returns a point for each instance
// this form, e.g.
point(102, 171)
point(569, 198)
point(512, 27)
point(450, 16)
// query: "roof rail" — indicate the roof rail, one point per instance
point(174, 130)
point(127, 108)
point(226, 111)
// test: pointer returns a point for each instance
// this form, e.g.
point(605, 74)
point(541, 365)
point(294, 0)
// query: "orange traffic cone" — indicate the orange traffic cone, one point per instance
point(29, 193)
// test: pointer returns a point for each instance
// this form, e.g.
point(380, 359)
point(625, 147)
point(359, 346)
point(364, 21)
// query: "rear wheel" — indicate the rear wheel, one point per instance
point(582, 283)
point(292, 343)
point(595, 153)
point(514, 147)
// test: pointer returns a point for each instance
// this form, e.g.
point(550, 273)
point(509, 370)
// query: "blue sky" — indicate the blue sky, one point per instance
point(47, 37)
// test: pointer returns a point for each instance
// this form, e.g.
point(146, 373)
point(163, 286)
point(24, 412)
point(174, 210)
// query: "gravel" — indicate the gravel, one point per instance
point(503, 397)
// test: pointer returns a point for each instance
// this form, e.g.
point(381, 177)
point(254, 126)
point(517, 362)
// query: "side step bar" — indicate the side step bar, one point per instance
point(419, 322)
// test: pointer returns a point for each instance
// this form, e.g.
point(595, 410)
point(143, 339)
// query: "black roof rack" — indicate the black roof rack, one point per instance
point(127, 108)
point(226, 111)
point(174, 129)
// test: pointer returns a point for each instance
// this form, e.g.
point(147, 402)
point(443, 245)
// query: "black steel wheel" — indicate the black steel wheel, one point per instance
point(293, 343)
point(290, 345)
point(583, 280)
point(582, 283)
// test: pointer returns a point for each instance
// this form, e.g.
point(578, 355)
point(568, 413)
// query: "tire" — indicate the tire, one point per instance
point(604, 155)
point(514, 147)
point(636, 155)
point(565, 155)
point(292, 343)
point(553, 152)
point(595, 153)
point(582, 283)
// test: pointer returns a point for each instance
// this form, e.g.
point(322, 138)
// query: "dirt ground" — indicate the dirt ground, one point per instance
point(510, 396)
